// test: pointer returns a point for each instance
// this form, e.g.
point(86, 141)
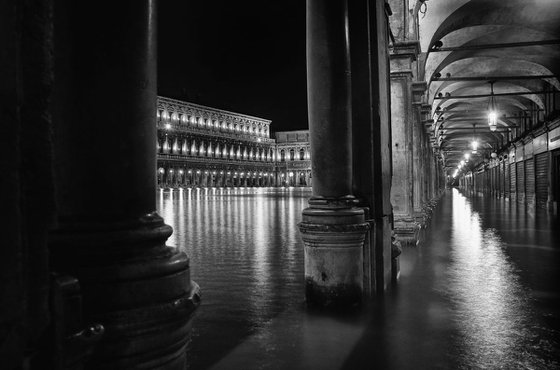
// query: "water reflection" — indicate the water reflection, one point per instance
point(498, 326)
point(481, 293)
point(246, 255)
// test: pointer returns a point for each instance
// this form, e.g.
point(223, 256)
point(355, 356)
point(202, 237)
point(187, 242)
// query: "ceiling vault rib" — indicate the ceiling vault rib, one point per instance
point(496, 46)
point(493, 78)
point(495, 94)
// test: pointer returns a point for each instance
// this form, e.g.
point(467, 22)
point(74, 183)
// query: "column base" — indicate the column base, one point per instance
point(135, 286)
point(422, 217)
point(407, 230)
point(333, 242)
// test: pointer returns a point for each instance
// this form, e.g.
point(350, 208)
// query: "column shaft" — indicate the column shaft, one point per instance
point(328, 95)
point(333, 230)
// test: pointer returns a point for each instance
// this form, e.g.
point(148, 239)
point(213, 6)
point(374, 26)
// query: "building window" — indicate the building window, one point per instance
point(282, 155)
point(301, 154)
point(292, 154)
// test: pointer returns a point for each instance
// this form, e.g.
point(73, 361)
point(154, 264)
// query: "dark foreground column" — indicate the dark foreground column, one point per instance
point(333, 229)
point(108, 234)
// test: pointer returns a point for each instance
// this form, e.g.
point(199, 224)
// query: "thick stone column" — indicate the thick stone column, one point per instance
point(371, 131)
point(108, 233)
point(333, 229)
point(403, 58)
point(418, 134)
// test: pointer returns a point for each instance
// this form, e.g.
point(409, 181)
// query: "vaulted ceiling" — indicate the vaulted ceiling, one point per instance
point(514, 44)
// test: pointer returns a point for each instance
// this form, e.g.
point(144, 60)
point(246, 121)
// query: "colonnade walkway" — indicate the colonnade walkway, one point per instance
point(480, 292)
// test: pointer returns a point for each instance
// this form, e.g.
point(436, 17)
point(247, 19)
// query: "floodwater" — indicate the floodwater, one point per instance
point(480, 293)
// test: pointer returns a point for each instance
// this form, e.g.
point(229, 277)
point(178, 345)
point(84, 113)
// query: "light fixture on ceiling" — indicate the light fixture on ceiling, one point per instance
point(492, 114)
point(474, 143)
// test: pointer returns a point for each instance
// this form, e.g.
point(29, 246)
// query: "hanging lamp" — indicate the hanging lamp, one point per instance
point(474, 143)
point(492, 114)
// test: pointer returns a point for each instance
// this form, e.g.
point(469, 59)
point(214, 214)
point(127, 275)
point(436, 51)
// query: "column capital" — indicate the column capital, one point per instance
point(405, 49)
point(418, 89)
point(402, 56)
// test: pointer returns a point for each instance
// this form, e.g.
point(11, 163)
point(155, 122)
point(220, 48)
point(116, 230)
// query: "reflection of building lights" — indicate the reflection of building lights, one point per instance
point(190, 171)
point(198, 172)
point(167, 126)
point(291, 174)
point(180, 172)
point(171, 171)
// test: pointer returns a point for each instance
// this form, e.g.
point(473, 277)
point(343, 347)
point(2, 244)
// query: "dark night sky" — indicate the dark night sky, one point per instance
point(244, 56)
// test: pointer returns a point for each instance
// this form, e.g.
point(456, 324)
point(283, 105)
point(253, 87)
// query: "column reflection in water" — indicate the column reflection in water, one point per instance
point(245, 253)
point(493, 312)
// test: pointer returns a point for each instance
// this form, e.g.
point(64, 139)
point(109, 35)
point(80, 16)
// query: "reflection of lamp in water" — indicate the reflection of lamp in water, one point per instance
point(467, 156)
point(492, 115)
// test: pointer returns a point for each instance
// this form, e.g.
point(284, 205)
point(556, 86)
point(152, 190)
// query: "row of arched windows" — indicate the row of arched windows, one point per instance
point(195, 121)
point(214, 150)
point(290, 155)
point(192, 172)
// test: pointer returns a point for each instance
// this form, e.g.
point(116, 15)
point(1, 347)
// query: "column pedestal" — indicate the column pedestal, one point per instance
point(142, 295)
point(333, 239)
point(407, 229)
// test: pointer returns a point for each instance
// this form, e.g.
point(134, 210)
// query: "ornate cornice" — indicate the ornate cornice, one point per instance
point(205, 112)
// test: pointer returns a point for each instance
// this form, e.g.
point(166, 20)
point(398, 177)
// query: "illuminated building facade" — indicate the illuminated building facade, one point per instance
point(293, 158)
point(200, 146)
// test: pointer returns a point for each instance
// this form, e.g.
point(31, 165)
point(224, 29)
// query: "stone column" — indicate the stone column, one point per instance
point(108, 233)
point(333, 229)
point(371, 131)
point(417, 151)
point(403, 57)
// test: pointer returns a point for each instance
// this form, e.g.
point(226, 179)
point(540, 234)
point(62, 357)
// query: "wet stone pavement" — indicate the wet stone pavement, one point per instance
point(480, 293)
